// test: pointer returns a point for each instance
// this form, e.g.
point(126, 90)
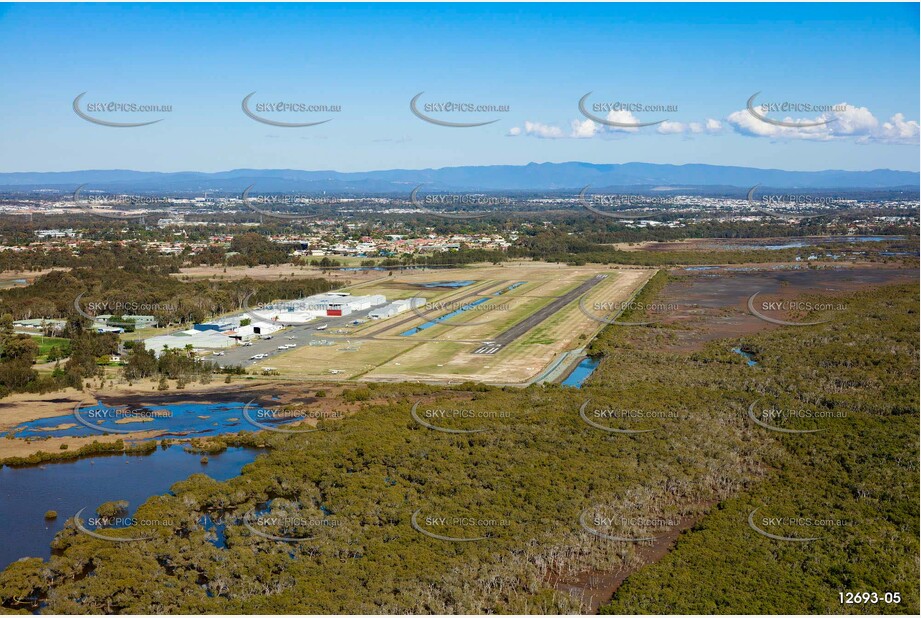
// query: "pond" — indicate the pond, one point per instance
point(582, 372)
point(446, 284)
point(26, 494)
point(749, 357)
point(175, 420)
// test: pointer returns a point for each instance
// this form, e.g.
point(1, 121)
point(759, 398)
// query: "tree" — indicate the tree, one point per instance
point(140, 362)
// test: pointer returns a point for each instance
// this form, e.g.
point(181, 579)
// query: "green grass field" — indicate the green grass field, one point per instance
point(46, 343)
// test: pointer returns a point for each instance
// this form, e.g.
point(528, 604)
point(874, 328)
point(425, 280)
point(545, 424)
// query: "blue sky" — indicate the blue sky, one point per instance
point(537, 59)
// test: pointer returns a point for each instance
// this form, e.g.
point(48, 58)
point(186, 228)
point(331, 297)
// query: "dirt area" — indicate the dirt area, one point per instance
point(11, 278)
point(708, 303)
point(595, 588)
point(650, 245)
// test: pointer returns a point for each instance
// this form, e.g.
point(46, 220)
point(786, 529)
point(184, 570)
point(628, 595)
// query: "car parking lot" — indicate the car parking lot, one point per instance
point(257, 350)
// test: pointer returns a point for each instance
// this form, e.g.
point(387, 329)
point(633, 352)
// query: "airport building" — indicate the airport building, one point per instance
point(40, 324)
point(332, 304)
point(218, 326)
point(396, 307)
point(139, 321)
point(199, 340)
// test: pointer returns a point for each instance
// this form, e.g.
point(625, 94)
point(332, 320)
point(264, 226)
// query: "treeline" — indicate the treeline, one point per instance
point(102, 255)
point(18, 354)
point(553, 245)
point(120, 291)
point(181, 365)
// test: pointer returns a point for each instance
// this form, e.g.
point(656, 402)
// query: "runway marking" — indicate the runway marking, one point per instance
point(487, 349)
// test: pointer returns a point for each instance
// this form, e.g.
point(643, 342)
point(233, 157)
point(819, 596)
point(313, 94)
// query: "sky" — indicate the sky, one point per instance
point(694, 65)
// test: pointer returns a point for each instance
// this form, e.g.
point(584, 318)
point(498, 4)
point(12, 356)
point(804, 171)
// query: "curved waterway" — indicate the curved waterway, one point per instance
point(26, 494)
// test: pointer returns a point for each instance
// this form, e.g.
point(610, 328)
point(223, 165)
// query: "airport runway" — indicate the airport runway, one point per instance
point(537, 317)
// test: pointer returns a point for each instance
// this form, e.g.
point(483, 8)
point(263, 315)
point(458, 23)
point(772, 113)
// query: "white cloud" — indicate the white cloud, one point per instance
point(545, 131)
point(670, 128)
point(538, 129)
point(621, 117)
point(711, 126)
point(584, 128)
point(845, 122)
point(898, 131)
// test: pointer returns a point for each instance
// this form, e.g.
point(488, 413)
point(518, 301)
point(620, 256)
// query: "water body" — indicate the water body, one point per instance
point(198, 419)
point(509, 288)
point(810, 242)
point(66, 487)
point(447, 316)
point(446, 284)
point(581, 373)
point(749, 357)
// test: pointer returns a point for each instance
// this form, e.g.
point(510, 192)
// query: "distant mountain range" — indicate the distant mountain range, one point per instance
point(646, 177)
